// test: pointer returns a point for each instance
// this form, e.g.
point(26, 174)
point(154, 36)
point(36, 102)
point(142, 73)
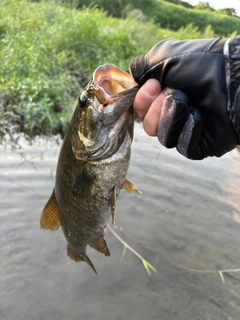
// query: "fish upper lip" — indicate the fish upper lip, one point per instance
point(126, 91)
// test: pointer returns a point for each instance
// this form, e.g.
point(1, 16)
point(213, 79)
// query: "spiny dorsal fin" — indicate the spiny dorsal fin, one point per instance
point(50, 216)
point(74, 255)
point(127, 185)
point(101, 245)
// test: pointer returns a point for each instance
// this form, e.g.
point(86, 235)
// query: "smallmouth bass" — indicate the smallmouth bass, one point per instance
point(93, 163)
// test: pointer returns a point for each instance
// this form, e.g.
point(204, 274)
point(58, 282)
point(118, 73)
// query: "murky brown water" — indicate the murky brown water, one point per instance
point(188, 211)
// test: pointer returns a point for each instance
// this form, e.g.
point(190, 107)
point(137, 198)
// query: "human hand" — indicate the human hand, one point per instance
point(199, 122)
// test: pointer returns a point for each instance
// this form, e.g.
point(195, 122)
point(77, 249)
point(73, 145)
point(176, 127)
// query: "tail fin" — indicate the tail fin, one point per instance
point(74, 255)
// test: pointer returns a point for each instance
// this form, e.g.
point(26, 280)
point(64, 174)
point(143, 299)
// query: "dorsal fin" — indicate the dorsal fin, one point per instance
point(127, 185)
point(74, 255)
point(101, 245)
point(50, 215)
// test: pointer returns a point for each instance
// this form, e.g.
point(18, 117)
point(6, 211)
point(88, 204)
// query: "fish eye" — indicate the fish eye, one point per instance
point(82, 100)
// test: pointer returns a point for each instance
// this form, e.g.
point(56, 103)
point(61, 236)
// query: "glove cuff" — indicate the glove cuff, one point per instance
point(233, 82)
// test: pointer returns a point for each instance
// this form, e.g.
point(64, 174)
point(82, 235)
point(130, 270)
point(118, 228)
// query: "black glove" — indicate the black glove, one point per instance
point(202, 119)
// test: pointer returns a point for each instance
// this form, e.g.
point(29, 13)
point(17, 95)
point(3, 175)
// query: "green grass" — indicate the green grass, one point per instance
point(174, 16)
point(48, 52)
point(168, 15)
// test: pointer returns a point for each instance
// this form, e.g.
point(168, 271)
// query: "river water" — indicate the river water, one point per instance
point(187, 217)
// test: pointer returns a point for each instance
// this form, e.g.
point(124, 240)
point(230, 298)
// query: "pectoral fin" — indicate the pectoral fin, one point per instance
point(50, 215)
point(127, 185)
point(101, 245)
point(74, 255)
point(113, 204)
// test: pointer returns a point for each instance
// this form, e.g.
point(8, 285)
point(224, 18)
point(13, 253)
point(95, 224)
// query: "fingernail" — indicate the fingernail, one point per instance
point(152, 88)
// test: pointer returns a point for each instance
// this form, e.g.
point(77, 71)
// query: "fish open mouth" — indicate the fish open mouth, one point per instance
point(112, 80)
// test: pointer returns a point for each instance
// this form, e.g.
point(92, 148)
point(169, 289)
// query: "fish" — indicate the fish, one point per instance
point(93, 163)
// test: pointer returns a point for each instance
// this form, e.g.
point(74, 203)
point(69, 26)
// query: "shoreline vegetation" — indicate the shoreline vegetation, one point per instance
point(49, 50)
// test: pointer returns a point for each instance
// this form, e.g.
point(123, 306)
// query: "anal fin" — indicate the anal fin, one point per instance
point(50, 215)
point(74, 255)
point(127, 185)
point(101, 245)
